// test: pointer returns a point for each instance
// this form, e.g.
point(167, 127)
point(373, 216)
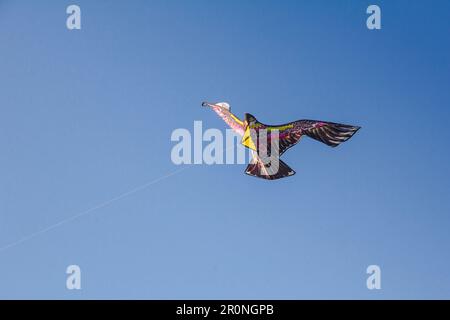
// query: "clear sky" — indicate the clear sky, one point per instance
point(86, 117)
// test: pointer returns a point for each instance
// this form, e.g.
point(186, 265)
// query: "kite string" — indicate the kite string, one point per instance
point(94, 208)
point(90, 210)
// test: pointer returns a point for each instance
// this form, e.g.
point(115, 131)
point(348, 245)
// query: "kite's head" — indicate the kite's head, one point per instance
point(249, 120)
point(222, 105)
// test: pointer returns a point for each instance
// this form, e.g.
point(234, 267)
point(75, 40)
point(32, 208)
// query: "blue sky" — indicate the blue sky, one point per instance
point(86, 116)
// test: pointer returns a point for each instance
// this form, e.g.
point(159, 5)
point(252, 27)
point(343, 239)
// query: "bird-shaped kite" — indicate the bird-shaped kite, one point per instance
point(262, 138)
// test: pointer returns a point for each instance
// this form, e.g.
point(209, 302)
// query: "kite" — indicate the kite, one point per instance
point(269, 142)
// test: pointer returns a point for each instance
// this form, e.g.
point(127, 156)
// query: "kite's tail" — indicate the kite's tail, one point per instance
point(276, 169)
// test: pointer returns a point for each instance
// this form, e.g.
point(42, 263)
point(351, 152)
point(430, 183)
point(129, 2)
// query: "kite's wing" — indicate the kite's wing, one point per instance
point(329, 133)
point(288, 138)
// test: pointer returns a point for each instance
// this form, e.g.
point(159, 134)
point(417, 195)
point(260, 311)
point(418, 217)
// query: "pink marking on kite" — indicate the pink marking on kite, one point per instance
point(227, 118)
point(320, 124)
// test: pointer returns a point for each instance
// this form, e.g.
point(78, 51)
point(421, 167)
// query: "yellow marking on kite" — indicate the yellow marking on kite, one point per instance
point(236, 119)
point(247, 140)
point(281, 128)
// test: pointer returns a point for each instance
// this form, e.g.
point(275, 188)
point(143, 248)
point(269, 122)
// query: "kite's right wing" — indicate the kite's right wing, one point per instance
point(329, 133)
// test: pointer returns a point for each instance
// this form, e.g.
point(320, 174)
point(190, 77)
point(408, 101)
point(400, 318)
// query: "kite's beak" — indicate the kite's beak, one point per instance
point(218, 105)
point(207, 104)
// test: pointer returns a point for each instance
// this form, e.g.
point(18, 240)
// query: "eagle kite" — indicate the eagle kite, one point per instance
point(269, 142)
